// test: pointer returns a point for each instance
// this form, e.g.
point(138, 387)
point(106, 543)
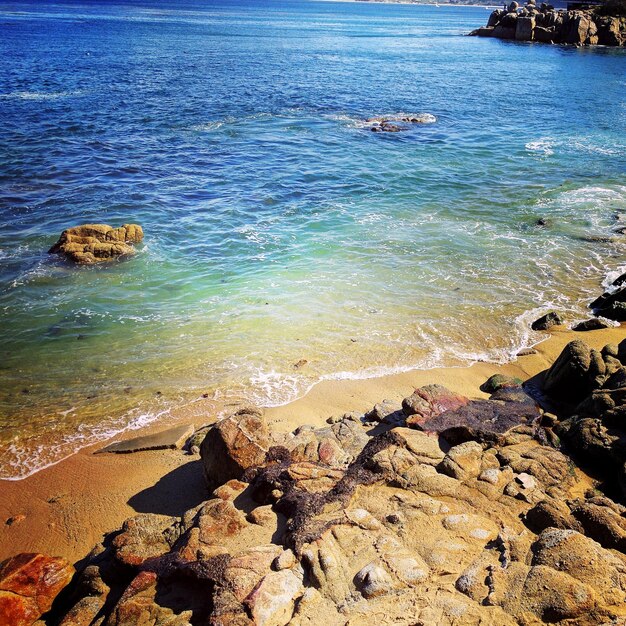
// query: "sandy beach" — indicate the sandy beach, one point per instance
point(66, 509)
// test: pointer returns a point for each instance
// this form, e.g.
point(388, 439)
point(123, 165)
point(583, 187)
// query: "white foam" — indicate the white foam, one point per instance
point(24, 461)
point(545, 146)
point(36, 95)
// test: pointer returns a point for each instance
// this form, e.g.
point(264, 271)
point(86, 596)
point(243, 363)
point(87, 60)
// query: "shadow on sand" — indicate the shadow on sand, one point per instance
point(173, 494)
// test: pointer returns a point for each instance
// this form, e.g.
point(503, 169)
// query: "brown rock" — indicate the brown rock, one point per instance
point(93, 243)
point(593, 323)
point(142, 537)
point(171, 438)
point(583, 559)
point(334, 445)
point(272, 601)
point(611, 32)
point(545, 35)
point(430, 401)
point(568, 377)
point(234, 445)
point(525, 28)
point(138, 606)
point(603, 524)
point(29, 583)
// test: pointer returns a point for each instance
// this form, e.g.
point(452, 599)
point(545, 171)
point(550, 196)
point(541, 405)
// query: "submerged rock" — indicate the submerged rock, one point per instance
point(95, 243)
point(393, 124)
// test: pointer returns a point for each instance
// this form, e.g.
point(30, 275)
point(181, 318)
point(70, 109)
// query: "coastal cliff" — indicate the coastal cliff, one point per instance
point(547, 25)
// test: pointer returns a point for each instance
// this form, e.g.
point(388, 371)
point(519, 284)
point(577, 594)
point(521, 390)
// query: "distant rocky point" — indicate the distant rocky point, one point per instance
point(547, 25)
point(95, 243)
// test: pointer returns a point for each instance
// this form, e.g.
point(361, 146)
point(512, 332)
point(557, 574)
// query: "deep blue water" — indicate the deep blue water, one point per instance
point(278, 226)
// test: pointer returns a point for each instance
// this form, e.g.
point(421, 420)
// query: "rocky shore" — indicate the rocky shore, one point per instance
point(547, 25)
point(441, 509)
point(492, 506)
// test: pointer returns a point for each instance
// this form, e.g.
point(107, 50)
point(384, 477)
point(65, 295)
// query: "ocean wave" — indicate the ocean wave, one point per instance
point(545, 146)
point(21, 460)
point(39, 95)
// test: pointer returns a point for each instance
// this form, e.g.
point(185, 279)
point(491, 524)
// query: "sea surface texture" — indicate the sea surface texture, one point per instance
point(280, 228)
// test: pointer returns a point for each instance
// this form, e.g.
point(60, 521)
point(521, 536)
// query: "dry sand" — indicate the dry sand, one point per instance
point(66, 509)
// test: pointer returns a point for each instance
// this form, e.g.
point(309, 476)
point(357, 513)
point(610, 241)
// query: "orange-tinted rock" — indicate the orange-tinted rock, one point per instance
point(93, 243)
point(29, 583)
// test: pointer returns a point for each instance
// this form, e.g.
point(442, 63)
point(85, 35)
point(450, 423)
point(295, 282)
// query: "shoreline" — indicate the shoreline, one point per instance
point(67, 507)
point(216, 404)
point(184, 411)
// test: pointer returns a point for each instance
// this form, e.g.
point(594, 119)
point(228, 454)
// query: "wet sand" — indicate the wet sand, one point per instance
point(66, 509)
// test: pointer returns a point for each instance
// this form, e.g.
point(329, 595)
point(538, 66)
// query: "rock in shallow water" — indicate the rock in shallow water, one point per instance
point(547, 321)
point(392, 124)
point(166, 439)
point(591, 324)
point(95, 243)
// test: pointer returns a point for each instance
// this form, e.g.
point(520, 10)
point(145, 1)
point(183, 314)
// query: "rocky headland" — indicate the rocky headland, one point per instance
point(545, 24)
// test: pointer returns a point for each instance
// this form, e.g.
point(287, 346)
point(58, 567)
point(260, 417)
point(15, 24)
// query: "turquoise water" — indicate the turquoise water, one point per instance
point(278, 226)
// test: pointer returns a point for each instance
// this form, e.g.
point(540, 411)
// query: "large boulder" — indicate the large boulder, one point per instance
point(495, 17)
point(578, 28)
point(234, 445)
point(94, 243)
point(575, 373)
point(591, 439)
point(611, 32)
point(504, 32)
point(525, 29)
point(545, 34)
point(29, 583)
point(143, 537)
point(334, 445)
point(609, 304)
point(428, 402)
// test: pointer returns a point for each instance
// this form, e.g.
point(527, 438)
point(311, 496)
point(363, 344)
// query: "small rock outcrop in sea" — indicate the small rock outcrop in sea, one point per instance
point(95, 243)
point(545, 24)
point(397, 123)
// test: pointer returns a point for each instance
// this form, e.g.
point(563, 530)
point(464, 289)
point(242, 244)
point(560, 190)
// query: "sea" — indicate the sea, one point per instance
point(285, 242)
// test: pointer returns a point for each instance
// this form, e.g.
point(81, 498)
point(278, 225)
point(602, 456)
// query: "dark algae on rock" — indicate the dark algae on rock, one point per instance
point(457, 511)
point(443, 510)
